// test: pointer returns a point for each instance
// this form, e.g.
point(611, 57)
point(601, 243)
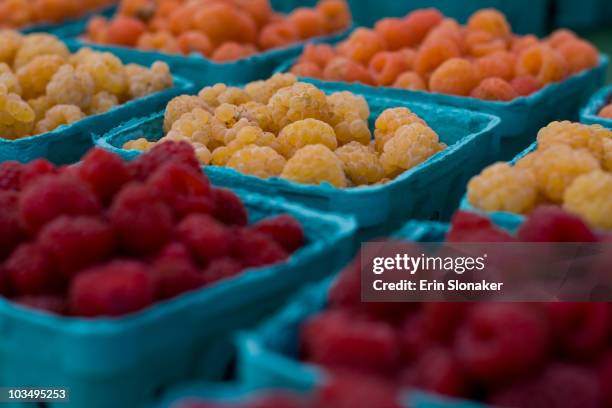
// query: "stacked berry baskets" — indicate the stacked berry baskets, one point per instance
point(339, 152)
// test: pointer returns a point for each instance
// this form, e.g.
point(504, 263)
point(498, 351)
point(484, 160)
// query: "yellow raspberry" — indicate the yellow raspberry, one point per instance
point(40, 106)
point(361, 164)
point(228, 114)
point(590, 197)
point(195, 126)
point(306, 132)
point(248, 135)
point(606, 161)
point(34, 45)
point(36, 74)
point(14, 109)
point(501, 187)
point(575, 135)
point(315, 164)
point(411, 146)
point(57, 116)
point(528, 161)
point(71, 87)
point(10, 41)
point(180, 105)
point(234, 96)
point(558, 166)
point(138, 144)
point(102, 102)
point(107, 72)
point(210, 94)
point(389, 121)
point(202, 153)
point(10, 80)
point(296, 102)
point(345, 105)
point(231, 133)
point(262, 91)
point(144, 81)
point(258, 113)
point(260, 161)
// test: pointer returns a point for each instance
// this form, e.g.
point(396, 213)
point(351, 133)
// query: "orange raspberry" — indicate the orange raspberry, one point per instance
point(142, 9)
point(362, 45)
point(409, 56)
point(500, 64)
point(195, 42)
point(606, 112)
point(222, 23)
point(396, 32)
point(494, 89)
point(307, 22)
point(490, 21)
point(525, 85)
point(432, 54)
point(161, 41)
point(123, 30)
point(560, 37)
point(543, 63)
point(521, 43)
point(95, 27)
point(481, 43)
point(410, 80)
point(183, 18)
point(231, 51)
point(421, 22)
point(336, 14)
point(386, 66)
point(277, 35)
point(579, 55)
point(259, 10)
point(319, 54)
point(307, 69)
point(448, 29)
point(457, 76)
point(347, 70)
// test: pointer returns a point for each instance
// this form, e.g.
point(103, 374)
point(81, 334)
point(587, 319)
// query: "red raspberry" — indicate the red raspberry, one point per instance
point(356, 391)
point(255, 249)
point(278, 400)
point(30, 271)
point(142, 222)
point(47, 303)
point(567, 386)
point(442, 319)
point(553, 224)
point(468, 227)
point(229, 209)
point(105, 173)
point(205, 237)
point(605, 379)
point(35, 169)
point(11, 233)
point(114, 289)
point(338, 339)
point(523, 394)
point(77, 242)
point(581, 330)
point(502, 341)
point(220, 269)
point(183, 189)
point(174, 272)
point(413, 338)
point(284, 229)
point(52, 196)
point(4, 282)
point(143, 166)
point(437, 370)
point(10, 175)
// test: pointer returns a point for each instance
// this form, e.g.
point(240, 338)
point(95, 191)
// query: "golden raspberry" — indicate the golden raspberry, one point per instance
point(143, 81)
point(35, 75)
point(107, 72)
point(234, 96)
point(306, 132)
point(361, 164)
point(558, 166)
point(139, 144)
point(501, 187)
point(34, 45)
point(296, 102)
point(260, 161)
point(210, 94)
point(248, 135)
point(262, 91)
point(180, 105)
point(195, 126)
point(10, 80)
point(102, 102)
point(230, 134)
point(13, 109)
point(349, 117)
point(228, 114)
point(606, 161)
point(10, 41)
point(389, 121)
point(71, 86)
point(575, 135)
point(40, 106)
point(259, 113)
point(528, 161)
point(590, 197)
point(202, 153)
point(411, 146)
point(57, 116)
point(315, 164)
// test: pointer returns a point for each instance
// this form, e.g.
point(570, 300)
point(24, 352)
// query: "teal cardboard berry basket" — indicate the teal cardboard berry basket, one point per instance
point(69, 28)
point(128, 362)
point(268, 355)
point(521, 118)
point(589, 114)
point(68, 143)
point(367, 13)
point(203, 71)
point(430, 190)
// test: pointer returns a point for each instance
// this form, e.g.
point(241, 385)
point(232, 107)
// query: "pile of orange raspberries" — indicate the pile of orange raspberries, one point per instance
point(21, 13)
point(427, 52)
point(222, 30)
